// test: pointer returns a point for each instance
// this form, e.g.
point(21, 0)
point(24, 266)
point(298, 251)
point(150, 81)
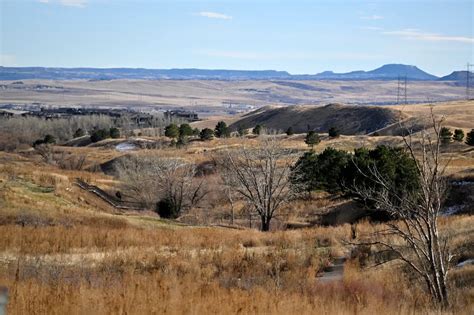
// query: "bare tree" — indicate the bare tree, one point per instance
point(153, 179)
point(261, 176)
point(46, 152)
point(414, 236)
point(229, 191)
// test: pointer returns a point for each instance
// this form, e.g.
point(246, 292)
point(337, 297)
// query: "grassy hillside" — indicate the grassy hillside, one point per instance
point(74, 254)
point(347, 119)
point(64, 250)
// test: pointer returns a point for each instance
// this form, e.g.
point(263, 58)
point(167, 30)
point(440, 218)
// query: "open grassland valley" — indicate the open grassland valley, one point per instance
point(301, 210)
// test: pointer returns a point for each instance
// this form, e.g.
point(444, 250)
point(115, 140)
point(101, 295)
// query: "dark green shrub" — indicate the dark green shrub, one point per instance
point(99, 135)
point(206, 134)
point(49, 139)
point(470, 137)
point(257, 130)
point(114, 133)
point(446, 135)
point(185, 130)
point(167, 209)
point(312, 138)
point(172, 131)
point(221, 130)
point(458, 135)
point(333, 132)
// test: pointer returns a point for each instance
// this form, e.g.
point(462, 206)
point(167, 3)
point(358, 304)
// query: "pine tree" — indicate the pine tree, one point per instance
point(446, 135)
point(312, 139)
point(257, 130)
point(470, 138)
point(172, 131)
point(458, 135)
point(221, 130)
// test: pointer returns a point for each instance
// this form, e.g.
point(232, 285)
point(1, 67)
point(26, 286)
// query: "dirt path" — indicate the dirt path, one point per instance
point(334, 272)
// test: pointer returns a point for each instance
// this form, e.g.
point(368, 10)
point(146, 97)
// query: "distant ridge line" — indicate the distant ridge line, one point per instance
point(385, 72)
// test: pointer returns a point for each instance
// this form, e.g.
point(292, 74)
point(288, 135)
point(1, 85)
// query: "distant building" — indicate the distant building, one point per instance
point(237, 108)
point(181, 114)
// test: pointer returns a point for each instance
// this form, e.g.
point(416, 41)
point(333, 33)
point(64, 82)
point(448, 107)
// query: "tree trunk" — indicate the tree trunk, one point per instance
point(265, 224)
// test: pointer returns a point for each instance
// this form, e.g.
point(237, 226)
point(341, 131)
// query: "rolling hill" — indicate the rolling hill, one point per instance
point(349, 120)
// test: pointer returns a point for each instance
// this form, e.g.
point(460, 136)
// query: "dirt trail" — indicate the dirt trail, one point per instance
point(334, 272)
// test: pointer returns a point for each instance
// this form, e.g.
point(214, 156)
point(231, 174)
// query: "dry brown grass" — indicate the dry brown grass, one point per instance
point(122, 269)
point(62, 251)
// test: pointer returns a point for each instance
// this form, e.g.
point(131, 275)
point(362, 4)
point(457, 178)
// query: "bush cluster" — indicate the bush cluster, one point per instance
point(338, 171)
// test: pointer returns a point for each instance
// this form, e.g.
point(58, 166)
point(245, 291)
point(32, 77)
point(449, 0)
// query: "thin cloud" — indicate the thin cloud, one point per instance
point(415, 34)
point(372, 17)
point(214, 15)
point(68, 3)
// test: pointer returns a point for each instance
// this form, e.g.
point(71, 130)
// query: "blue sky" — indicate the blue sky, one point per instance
point(300, 36)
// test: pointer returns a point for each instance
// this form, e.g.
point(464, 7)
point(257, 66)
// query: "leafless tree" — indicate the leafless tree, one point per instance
point(25, 130)
point(414, 236)
point(229, 191)
point(46, 152)
point(71, 161)
point(261, 176)
point(150, 179)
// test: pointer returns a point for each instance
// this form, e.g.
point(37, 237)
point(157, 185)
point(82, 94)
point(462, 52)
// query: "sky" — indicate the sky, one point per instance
point(298, 36)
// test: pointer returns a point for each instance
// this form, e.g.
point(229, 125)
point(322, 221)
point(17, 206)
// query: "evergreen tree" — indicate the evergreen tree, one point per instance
point(257, 130)
point(49, 139)
point(446, 135)
point(458, 135)
point(172, 131)
point(114, 133)
point(289, 131)
point(100, 134)
point(333, 132)
point(206, 134)
point(196, 132)
point(185, 130)
point(312, 139)
point(470, 137)
point(221, 130)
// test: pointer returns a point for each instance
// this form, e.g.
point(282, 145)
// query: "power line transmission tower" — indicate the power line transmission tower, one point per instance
point(405, 88)
point(468, 83)
point(398, 90)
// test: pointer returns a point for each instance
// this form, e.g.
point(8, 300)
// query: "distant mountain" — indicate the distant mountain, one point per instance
point(386, 72)
point(457, 76)
point(9, 73)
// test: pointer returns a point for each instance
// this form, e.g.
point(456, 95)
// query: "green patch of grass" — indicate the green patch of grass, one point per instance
point(37, 188)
